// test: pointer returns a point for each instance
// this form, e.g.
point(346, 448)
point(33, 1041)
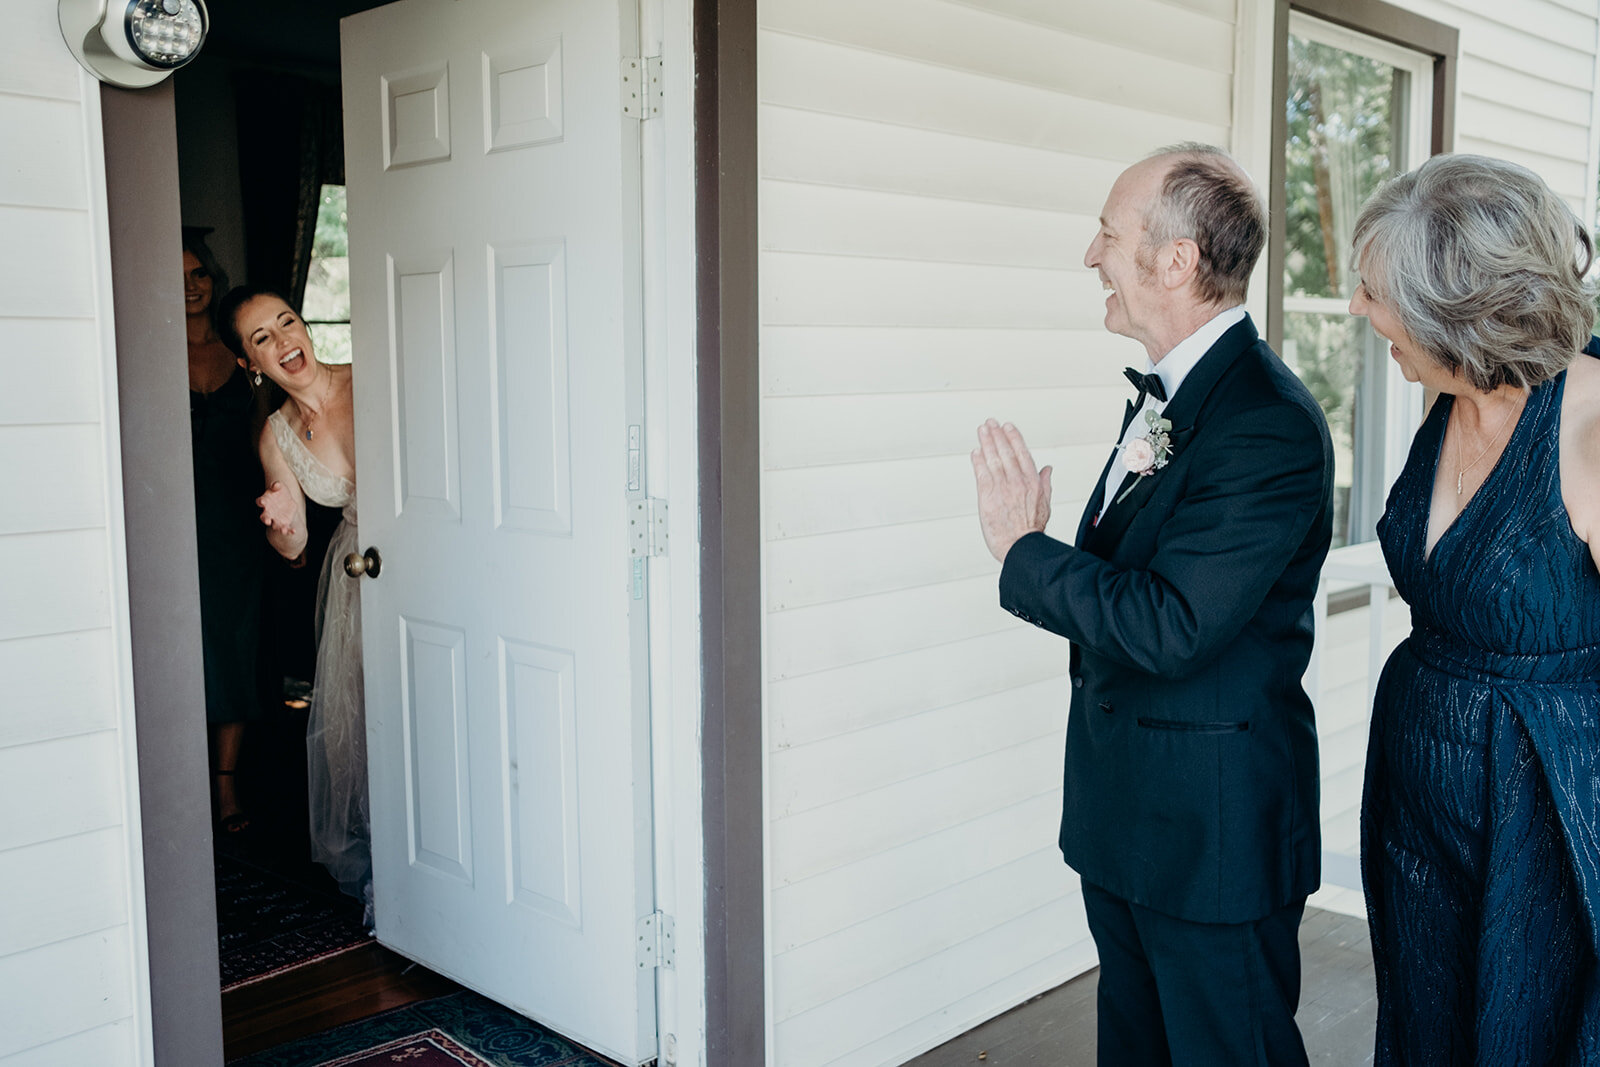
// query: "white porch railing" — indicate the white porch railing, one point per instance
point(1354, 566)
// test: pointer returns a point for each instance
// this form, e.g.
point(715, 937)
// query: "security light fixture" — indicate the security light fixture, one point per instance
point(133, 43)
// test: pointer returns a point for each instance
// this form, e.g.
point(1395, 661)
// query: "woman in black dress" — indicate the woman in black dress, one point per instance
point(226, 476)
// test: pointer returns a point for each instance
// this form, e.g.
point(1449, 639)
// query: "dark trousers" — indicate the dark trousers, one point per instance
point(1195, 994)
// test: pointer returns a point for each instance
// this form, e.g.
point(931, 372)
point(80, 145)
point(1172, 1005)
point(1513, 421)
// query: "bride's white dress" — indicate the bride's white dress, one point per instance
point(336, 734)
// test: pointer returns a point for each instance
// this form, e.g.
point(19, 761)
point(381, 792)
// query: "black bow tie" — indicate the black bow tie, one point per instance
point(1146, 383)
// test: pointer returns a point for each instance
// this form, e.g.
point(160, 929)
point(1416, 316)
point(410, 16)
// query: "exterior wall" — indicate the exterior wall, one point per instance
point(931, 173)
point(1526, 87)
point(73, 983)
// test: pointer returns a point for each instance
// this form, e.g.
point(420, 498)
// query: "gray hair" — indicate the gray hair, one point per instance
point(1209, 199)
point(1483, 265)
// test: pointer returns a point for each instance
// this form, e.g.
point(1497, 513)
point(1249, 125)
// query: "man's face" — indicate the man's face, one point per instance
point(1136, 301)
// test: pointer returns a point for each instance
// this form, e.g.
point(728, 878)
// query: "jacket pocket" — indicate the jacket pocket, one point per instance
point(1181, 726)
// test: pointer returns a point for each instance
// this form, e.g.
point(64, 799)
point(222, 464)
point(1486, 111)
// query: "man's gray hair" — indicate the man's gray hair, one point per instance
point(1484, 267)
point(1209, 199)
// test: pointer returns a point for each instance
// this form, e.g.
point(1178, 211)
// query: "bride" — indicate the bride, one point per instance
point(308, 450)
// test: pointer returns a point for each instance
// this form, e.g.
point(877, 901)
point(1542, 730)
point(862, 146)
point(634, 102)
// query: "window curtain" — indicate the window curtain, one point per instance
point(291, 143)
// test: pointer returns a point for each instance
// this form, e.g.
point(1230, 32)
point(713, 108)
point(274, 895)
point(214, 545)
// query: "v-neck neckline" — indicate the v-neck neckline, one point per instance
point(1430, 554)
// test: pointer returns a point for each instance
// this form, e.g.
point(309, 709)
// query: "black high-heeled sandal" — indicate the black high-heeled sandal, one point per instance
point(238, 822)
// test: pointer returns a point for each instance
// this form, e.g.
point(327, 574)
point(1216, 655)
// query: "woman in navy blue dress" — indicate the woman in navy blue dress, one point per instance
point(1481, 814)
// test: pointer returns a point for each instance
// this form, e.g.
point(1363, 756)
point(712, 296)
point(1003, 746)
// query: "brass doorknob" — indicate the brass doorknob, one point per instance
point(368, 563)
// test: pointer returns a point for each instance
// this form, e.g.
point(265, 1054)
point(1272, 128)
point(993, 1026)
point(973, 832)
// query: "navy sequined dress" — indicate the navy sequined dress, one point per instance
point(1481, 816)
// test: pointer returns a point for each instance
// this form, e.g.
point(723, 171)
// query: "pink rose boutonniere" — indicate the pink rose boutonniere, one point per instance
point(1147, 453)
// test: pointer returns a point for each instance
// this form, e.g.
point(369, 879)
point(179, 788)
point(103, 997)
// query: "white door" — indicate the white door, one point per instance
point(494, 281)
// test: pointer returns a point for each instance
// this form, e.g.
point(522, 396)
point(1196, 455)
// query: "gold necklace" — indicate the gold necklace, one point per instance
point(1461, 472)
point(308, 416)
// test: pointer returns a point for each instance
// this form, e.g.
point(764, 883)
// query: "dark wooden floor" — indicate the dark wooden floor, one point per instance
point(1337, 1010)
point(1056, 1029)
point(322, 995)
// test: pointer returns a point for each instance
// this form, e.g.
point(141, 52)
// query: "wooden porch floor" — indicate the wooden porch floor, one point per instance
point(1338, 1010)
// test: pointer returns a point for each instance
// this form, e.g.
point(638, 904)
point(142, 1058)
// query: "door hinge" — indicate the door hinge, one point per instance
point(647, 528)
point(641, 87)
point(653, 943)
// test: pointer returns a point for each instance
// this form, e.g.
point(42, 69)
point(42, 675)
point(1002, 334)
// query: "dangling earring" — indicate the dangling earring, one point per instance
point(258, 375)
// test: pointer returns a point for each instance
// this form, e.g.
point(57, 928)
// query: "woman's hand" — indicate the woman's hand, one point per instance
point(277, 509)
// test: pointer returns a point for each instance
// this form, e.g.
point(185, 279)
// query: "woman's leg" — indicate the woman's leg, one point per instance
point(229, 739)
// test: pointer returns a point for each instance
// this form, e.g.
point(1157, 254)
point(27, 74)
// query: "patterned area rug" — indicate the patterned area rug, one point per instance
point(267, 924)
point(460, 1030)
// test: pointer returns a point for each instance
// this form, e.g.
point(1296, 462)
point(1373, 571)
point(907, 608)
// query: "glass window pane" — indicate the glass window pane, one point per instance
point(1346, 127)
point(1345, 114)
point(331, 340)
point(1345, 365)
point(328, 280)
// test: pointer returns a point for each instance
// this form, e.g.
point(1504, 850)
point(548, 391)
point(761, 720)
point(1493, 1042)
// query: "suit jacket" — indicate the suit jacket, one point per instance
point(1191, 759)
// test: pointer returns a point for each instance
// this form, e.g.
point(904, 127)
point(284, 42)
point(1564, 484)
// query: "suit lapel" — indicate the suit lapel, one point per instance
point(1127, 416)
point(1086, 523)
point(1181, 412)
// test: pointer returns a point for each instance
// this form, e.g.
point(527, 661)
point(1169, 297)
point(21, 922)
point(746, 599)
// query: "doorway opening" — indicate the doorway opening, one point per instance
point(260, 145)
point(497, 297)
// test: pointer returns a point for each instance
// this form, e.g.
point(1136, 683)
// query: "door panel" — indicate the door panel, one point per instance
point(493, 187)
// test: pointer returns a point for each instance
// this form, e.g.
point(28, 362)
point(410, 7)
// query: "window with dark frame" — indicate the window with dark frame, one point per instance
point(1364, 91)
point(326, 308)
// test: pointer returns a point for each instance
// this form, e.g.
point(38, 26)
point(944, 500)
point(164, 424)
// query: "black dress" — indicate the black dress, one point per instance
point(1481, 819)
point(227, 481)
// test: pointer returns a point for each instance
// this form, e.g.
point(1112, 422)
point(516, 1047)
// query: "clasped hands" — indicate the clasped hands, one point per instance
point(277, 509)
point(1013, 495)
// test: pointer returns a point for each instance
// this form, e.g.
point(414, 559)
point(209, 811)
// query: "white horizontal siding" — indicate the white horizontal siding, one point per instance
point(973, 978)
point(843, 897)
point(62, 488)
point(48, 281)
point(44, 701)
point(103, 1044)
point(926, 198)
point(849, 959)
point(816, 706)
point(1526, 87)
point(899, 90)
point(67, 387)
point(73, 984)
point(63, 887)
point(57, 172)
point(979, 45)
point(65, 988)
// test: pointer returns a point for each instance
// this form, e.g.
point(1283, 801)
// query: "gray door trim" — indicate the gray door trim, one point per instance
point(730, 529)
point(141, 145)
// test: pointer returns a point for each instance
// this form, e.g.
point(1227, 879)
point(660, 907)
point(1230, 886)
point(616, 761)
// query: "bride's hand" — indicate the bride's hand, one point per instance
point(277, 509)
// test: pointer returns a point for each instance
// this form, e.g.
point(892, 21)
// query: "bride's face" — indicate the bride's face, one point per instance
point(276, 341)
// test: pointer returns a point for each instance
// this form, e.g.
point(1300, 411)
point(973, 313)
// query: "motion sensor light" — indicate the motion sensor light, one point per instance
point(133, 43)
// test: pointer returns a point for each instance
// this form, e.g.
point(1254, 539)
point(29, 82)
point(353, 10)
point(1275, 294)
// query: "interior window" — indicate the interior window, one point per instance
point(327, 300)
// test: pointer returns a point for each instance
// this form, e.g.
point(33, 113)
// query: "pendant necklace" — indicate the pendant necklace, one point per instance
point(310, 416)
point(1461, 472)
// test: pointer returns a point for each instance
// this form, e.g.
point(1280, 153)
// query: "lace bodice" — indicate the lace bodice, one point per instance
point(316, 480)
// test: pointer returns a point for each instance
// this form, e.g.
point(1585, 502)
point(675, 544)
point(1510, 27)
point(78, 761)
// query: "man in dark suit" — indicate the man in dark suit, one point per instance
point(1190, 805)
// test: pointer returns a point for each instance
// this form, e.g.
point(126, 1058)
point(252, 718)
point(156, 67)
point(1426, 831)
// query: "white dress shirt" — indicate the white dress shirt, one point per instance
point(1173, 368)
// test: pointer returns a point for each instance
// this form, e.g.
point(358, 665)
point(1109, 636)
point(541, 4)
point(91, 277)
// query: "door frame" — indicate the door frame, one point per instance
point(141, 156)
point(701, 357)
point(726, 173)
